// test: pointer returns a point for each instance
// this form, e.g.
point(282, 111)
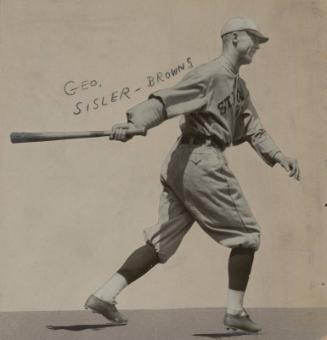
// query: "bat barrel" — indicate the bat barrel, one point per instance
point(30, 137)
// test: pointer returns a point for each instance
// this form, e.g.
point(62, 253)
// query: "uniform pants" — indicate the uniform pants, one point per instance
point(199, 186)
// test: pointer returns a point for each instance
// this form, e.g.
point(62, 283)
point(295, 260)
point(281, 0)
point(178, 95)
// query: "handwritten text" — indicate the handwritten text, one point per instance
point(74, 88)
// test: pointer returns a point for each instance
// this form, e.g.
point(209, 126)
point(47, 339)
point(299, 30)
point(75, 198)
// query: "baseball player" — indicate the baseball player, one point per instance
point(216, 112)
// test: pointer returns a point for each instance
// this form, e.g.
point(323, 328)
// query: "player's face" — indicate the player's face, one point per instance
point(246, 46)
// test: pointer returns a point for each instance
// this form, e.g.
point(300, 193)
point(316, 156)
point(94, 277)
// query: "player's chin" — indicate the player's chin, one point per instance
point(247, 60)
point(250, 57)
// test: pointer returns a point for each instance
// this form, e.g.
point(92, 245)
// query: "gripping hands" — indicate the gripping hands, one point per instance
point(125, 131)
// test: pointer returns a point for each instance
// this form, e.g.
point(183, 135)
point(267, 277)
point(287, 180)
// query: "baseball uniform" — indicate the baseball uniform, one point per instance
point(216, 112)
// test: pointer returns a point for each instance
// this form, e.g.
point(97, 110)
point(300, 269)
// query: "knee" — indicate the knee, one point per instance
point(163, 252)
point(162, 257)
point(256, 242)
point(252, 242)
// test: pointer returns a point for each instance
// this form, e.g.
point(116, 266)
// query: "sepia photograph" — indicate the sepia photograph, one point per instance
point(163, 169)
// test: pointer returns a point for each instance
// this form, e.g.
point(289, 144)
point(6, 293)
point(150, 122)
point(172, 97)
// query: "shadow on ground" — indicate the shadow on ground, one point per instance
point(78, 328)
point(222, 335)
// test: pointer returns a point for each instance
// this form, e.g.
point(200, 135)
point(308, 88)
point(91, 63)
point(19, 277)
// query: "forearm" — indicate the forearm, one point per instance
point(265, 147)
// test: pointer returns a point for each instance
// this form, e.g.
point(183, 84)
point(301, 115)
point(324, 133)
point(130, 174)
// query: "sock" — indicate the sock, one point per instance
point(235, 301)
point(110, 290)
point(139, 263)
point(136, 265)
point(239, 269)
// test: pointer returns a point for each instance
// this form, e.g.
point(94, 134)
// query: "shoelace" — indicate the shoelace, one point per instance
point(245, 314)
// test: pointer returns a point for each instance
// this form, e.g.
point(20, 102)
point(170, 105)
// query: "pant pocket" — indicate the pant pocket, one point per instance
point(208, 160)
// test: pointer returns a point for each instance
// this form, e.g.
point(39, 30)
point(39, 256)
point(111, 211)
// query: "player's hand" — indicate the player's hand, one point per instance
point(291, 165)
point(121, 132)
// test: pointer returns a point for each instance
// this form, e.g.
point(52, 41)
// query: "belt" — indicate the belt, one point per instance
point(202, 140)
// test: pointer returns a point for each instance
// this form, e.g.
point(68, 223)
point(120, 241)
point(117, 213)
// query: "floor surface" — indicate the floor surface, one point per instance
point(177, 324)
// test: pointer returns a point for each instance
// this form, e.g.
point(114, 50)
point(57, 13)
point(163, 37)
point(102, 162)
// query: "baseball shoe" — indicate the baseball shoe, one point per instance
point(106, 309)
point(241, 322)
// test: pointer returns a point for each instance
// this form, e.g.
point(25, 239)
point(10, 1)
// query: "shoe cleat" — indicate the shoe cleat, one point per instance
point(106, 309)
point(242, 322)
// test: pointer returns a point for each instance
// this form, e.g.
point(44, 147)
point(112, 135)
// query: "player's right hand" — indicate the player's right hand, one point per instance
point(121, 131)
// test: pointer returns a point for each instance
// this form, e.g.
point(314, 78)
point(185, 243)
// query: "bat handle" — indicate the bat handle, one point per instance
point(136, 132)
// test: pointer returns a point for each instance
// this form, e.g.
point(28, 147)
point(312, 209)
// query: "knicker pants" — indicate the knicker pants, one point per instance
point(199, 186)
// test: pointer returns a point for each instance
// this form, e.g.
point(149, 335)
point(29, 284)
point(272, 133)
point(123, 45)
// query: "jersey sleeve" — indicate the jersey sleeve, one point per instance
point(187, 96)
point(148, 114)
point(250, 129)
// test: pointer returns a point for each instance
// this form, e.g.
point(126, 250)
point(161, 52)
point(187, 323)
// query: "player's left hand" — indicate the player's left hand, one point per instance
point(291, 165)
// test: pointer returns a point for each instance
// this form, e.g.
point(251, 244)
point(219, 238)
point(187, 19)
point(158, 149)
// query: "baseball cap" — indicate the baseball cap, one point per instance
point(243, 24)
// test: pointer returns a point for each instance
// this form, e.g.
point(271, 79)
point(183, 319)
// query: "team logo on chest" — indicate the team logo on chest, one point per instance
point(230, 102)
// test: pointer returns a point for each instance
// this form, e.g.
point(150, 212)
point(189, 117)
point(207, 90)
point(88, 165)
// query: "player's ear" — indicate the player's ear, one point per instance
point(235, 38)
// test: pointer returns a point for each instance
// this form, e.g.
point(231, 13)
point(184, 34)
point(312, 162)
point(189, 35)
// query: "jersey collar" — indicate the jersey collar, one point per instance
point(226, 64)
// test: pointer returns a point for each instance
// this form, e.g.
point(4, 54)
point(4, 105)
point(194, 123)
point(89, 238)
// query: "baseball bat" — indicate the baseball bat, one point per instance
point(30, 137)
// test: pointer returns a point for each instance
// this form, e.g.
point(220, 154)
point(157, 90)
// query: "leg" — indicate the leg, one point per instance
point(213, 196)
point(217, 203)
point(174, 222)
point(139, 263)
point(239, 268)
point(136, 265)
point(163, 240)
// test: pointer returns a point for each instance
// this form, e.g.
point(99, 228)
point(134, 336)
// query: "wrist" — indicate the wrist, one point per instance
point(279, 157)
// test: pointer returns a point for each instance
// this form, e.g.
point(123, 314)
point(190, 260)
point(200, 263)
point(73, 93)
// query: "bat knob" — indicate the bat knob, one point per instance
point(16, 137)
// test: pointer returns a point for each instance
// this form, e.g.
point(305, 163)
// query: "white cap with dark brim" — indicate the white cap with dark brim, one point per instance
point(243, 24)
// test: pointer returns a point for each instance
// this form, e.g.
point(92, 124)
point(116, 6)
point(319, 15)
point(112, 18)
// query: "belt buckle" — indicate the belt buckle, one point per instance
point(208, 142)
